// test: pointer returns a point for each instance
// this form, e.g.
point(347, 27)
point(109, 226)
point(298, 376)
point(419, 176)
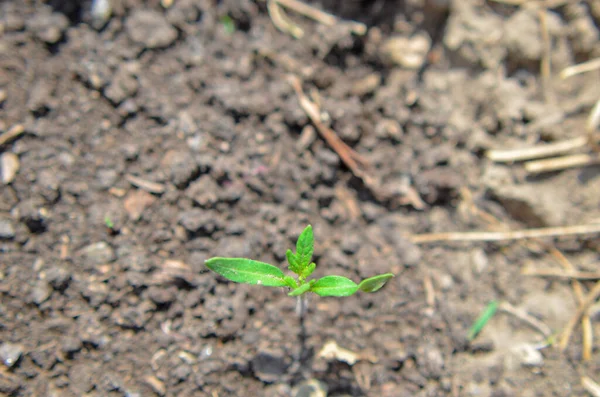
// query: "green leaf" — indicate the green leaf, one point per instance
point(334, 286)
point(290, 282)
point(294, 266)
point(242, 270)
point(483, 319)
point(374, 283)
point(308, 270)
point(305, 247)
point(301, 289)
point(228, 24)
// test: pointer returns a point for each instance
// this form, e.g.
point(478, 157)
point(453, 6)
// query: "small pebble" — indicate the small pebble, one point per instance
point(71, 344)
point(130, 151)
point(101, 10)
point(311, 388)
point(48, 27)
point(389, 128)
point(10, 353)
point(204, 191)
point(9, 166)
point(82, 378)
point(137, 202)
point(107, 177)
point(41, 292)
point(479, 260)
point(150, 29)
point(408, 52)
point(200, 221)
point(366, 85)
point(180, 167)
point(13, 22)
point(58, 277)
point(156, 385)
point(133, 317)
point(269, 366)
point(409, 254)
point(431, 361)
point(162, 296)
point(7, 229)
point(123, 85)
point(10, 384)
point(351, 244)
point(98, 253)
point(527, 355)
point(181, 372)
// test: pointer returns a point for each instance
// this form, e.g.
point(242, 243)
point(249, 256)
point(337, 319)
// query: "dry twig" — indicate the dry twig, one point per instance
point(429, 291)
point(583, 307)
point(545, 65)
point(148, 186)
point(561, 163)
point(586, 323)
point(309, 11)
point(590, 386)
point(524, 316)
point(354, 161)
point(536, 152)
point(12, 133)
point(558, 273)
point(580, 68)
point(287, 62)
point(546, 3)
point(281, 21)
point(510, 2)
point(349, 157)
point(509, 235)
point(594, 118)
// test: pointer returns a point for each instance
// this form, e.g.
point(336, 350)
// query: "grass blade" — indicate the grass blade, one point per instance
point(483, 319)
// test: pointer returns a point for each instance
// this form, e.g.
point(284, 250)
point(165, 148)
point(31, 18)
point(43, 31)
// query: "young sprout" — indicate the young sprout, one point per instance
point(482, 320)
point(248, 271)
point(228, 24)
point(108, 222)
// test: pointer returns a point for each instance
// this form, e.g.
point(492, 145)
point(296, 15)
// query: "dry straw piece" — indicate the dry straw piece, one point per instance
point(283, 23)
point(536, 152)
point(509, 235)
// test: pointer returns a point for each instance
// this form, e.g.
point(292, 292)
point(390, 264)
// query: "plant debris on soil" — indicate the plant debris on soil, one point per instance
point(140, 138)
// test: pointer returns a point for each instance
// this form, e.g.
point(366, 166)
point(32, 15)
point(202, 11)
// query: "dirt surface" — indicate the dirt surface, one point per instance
point(157, 137)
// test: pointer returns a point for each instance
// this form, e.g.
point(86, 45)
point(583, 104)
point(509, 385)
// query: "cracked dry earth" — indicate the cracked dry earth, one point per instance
point(136, 146)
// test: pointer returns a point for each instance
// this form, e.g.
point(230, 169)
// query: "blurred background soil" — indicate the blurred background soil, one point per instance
point(138, 140)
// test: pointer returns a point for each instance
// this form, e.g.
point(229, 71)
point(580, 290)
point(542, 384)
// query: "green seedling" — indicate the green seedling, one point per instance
point(483, 319)
point(108, 222)
point(228, 24)
point(247, 271)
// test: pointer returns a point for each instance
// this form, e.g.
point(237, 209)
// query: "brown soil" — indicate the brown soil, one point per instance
point(161, 137)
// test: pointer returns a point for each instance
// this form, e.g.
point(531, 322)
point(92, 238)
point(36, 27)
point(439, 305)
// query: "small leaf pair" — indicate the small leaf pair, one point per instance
point(242, 270)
